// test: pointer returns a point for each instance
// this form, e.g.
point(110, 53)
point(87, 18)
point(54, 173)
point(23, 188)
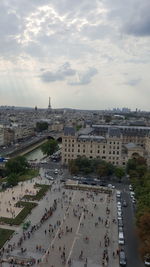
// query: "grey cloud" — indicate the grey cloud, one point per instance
point(133, 82)
point(139, 23)
point(85, 77)
point(59, 75)
point(130, 17)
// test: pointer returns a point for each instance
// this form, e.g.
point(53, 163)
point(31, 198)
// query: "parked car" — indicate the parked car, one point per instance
point(122, 258)
point(121, 238)
point(124, 203)
point(120, 222)
point(147, 260)
point(118, 194)
point(119, 213)
point(55, 171)
point(119, 208)
point(130, 187)
point(120, 229)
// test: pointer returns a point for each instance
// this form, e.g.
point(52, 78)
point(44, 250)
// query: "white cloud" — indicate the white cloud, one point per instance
point(112, 36)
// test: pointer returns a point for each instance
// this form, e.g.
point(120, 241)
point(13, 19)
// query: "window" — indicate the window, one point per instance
point(117, 147)
point(117, 152)
point(103, 151)
point(78, 145)
point(97, 151)
point(103, 146)
point(113, 152)
point(114, 143)
point(109, 152)
point(78, 150)
point(72, 150)
point(83, 150)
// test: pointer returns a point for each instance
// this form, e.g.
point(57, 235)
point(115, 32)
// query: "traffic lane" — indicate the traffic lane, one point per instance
point(131, 239)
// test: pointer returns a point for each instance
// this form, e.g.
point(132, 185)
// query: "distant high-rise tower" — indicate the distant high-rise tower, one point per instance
point(49, 105)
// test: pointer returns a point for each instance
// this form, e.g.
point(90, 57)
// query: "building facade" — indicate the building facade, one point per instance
point(115, 145)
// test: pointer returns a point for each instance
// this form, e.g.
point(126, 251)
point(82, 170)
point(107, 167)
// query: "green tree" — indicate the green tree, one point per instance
point(41, 126)
point(13, 179)
point(119, 172)
point(50, 147)
point(102, 170)
point(78, 127)
point(73, 168)
point(17, 165)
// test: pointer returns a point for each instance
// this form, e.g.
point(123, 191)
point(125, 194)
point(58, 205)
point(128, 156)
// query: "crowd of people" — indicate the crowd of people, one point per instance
point(82, 214)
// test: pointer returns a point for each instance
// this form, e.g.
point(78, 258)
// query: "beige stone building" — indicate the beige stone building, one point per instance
point(113, 146)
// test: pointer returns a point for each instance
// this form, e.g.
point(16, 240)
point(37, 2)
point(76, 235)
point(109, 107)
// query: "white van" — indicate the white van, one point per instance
point(121, 238)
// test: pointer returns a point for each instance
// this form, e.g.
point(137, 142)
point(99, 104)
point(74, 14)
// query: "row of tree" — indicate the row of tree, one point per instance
point(140, 179)
point(18, 166)
point(14, 168)
point(101, 168)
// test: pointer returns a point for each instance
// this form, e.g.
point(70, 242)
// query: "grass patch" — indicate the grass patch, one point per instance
point(30, 173)
point(42, 192)
point(28, 206)
point(5, 234)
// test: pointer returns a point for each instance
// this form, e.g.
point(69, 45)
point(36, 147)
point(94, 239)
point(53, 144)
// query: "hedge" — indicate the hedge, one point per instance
point(28, 206)
point(42, 192)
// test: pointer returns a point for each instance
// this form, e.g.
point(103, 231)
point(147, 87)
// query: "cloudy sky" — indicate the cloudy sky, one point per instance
point(82, 53)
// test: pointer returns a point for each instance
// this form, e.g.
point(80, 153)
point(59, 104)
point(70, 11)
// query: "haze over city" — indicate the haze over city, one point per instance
point(84, 54)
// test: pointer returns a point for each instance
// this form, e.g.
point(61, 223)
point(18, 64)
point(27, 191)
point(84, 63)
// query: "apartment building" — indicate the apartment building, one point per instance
point(113, 146)
point(1, 136)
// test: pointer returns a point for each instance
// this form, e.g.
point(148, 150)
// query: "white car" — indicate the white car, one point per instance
point(49, 177)
point(132, 193)
point(147, 260)
point(121, 238)
point(55, 171)
point(119, 208)
point(130, 187)
point(133, 200)
point(118, 194)
point(111, 186)
point(119, 213)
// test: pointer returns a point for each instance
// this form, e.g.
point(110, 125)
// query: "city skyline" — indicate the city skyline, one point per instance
point(83, 54)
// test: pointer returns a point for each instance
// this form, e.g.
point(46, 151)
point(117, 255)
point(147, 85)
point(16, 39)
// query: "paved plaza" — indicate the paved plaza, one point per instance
point(11, 196)
point(81, 231)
